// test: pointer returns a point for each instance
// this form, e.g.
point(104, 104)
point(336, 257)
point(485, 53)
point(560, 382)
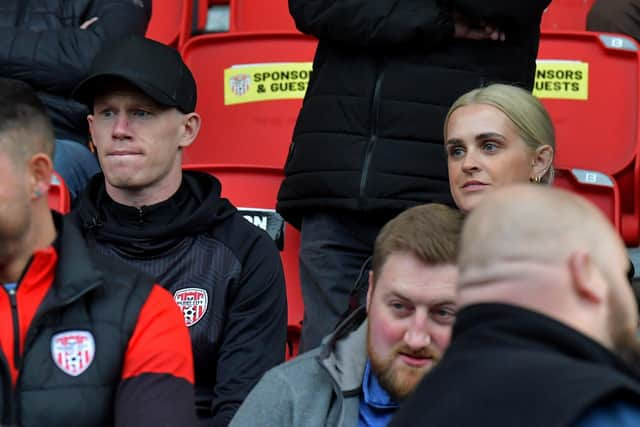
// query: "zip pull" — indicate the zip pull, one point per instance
point(12, 290)
point(95, 222)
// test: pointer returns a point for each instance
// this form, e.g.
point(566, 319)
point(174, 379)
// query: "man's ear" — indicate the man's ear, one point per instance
point(584, 277)
point(191, 128)
point(40, 168)
point(90, 119)
point(370, 290)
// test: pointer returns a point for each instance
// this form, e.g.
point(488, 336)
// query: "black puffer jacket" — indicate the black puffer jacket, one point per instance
point(369, 135)
point(41, 43)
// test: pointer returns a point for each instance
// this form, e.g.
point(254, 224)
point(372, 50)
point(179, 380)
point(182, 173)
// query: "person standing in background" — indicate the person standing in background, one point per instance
point(368, 140)
point(50, 45)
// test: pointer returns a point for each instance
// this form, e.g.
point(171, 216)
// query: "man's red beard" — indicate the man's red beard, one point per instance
point(394, 375)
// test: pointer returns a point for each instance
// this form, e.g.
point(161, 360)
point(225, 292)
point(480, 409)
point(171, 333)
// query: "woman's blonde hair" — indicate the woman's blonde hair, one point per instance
point(526, 112)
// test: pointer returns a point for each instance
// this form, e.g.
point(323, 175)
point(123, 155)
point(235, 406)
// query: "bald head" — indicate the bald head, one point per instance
point(534, 223)
point(549, 251)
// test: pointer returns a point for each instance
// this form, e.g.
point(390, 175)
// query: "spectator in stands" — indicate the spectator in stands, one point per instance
point(224, 273)
point(85, 340)
point(367, 143)
point(615, 16)
point(544, 305)
point(495, 136)
point(377, 356)
point(50, 45)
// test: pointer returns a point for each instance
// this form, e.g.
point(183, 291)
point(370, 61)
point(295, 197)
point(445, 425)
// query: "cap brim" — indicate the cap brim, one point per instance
point(86, 90)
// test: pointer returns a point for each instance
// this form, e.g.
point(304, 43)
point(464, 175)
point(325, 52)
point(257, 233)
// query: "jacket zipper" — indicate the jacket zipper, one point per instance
point(21, 12)
point(11, 397)
point(16, 327)
point(373, 138)
point(8, 414)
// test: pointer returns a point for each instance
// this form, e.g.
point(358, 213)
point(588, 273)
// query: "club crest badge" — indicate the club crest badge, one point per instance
point(193, 302)
point(240, 84)
point(73, 351)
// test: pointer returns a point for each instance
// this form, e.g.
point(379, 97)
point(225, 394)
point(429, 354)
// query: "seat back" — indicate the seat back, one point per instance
point(171, 22)
point(598, 188)
point(253, 190)
point(589, 84)
point(260, 15)
point(250, 89)
point(59, 197)
point(568, 15)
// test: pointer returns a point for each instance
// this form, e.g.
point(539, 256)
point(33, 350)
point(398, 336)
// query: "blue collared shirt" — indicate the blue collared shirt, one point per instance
point(376, 406)
point(615, 414)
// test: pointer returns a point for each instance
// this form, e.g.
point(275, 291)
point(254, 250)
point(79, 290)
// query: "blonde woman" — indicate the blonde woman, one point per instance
point(495, 136)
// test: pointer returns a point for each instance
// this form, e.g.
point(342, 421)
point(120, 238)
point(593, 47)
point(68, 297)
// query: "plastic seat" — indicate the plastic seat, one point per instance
point(598, 188)
point(598, 130)
point(171, 22)
point(59, 198)
point(260, 15)
point(256, 125)
point(253, 190)
point(566, 15)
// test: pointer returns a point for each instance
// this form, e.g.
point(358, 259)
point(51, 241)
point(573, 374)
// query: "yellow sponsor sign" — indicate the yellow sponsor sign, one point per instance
point(561, 80)
point(265, 82)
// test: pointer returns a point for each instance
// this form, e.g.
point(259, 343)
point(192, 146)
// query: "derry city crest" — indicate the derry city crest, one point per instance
point(193, 304)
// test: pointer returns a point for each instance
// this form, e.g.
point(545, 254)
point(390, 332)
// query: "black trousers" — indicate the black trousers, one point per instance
point(333, 249)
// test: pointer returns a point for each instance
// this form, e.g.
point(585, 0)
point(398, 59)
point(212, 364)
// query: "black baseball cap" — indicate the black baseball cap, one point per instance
point(156, 69)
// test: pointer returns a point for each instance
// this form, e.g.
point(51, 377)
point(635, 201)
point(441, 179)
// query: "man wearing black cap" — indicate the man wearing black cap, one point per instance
point(224, 273)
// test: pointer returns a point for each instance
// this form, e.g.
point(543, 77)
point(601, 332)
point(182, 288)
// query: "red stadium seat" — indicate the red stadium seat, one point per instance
point(260, 15)
point(200, 12)
point(254, 190)
point(600, 189)
point(589, 84)
point(171, 22)
point(262, 98)
point(566, 15)
point(59, 198)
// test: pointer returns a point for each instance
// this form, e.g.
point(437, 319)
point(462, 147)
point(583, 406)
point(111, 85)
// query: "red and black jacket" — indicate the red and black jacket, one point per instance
point(88, 341)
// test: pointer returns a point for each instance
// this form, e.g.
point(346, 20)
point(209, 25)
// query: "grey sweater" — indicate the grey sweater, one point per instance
point(319, 388)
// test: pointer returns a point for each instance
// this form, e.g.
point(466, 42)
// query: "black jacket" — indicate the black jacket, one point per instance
point(507, 366)
point(369, 135)
point(224, 272)
point(99, 296)
point(41, 43)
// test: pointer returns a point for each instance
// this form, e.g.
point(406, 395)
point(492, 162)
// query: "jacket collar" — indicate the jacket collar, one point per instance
point(504, 324)
point(76, 272)
point(344, 353)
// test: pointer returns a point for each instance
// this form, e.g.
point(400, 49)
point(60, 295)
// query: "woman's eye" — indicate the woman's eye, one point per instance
point(490, 146)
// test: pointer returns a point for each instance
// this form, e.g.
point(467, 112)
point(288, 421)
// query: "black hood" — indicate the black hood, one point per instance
point(140, 232)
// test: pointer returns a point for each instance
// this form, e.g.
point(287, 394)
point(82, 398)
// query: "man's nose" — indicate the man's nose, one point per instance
point(121, 127)
point(417, 334)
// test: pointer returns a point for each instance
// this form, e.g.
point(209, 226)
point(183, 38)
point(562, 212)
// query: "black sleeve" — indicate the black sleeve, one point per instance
point(506, 12)
point(155, 400)
point(54, 61)
point(254, 335)
point(374, 22)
